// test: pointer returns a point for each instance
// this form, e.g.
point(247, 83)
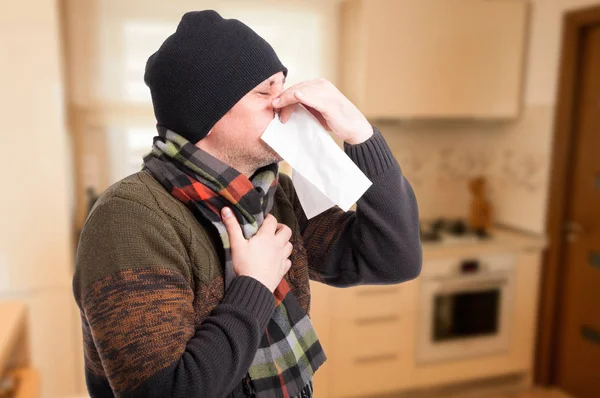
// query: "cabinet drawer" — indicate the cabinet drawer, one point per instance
point(373, 301)
point(371, 354)
point(370, 375)
point(373, 335)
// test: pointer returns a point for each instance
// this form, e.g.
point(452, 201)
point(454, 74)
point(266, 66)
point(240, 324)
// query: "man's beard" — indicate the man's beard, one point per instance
point(268, 155)
point(248, 161)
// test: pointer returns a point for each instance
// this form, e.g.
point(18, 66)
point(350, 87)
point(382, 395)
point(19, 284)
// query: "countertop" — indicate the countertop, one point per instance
point(503, 239)
point(13, 318)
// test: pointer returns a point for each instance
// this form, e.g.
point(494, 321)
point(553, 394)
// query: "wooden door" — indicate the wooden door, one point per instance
point(578, 359)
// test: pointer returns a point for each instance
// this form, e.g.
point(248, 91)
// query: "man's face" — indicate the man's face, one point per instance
point(235, 139)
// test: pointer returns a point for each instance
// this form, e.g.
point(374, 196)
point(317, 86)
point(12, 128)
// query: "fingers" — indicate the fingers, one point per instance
point(284, 233)
point(288, 249)
point(312, 93)
point(269, 225)
point(286, 113)
point(287, 97)
point(234, 230)
point(319, 117)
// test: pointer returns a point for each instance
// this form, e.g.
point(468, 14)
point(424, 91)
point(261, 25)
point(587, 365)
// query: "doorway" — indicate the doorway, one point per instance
point(569, 330)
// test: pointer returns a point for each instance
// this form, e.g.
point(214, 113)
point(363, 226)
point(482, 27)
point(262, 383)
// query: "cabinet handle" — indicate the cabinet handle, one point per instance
point(590, 334)
point(375, 320)
point(376, 358)
point(381, 291)
point(595, 259)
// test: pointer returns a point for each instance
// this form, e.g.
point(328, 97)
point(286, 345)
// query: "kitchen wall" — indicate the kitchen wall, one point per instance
point(35, 229)
point(439, 157)
point(536, 129)
point(532, 136)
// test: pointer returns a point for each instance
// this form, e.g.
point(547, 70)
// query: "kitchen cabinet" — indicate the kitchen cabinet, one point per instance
point(370, 334)
point(373, 334)
point(433, 59)
point(16, 375)
point(367, 333)
point(518, 358)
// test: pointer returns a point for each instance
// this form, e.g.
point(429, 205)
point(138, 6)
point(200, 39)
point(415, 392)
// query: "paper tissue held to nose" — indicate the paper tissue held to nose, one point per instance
point(323, 175)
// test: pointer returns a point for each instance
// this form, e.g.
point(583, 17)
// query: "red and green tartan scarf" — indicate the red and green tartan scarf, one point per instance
point(289, 351)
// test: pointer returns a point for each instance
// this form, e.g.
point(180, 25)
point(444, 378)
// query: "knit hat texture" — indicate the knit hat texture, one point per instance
point(203, 69)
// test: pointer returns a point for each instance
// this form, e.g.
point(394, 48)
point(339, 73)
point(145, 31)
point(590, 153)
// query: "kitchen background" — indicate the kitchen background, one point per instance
point(79, 119)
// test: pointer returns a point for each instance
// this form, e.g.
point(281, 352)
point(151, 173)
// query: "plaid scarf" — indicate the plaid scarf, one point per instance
point(289, 351)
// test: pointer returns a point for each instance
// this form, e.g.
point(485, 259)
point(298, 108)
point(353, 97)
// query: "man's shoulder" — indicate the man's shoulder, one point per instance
point(141, 189)
point(134, 225)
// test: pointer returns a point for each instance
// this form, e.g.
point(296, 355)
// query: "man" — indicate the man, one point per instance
point(192, 275)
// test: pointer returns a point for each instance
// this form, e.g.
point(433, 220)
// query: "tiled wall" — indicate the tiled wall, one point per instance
point(440, 157)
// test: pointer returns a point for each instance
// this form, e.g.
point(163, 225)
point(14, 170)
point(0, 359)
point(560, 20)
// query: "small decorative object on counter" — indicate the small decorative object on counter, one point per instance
point(481, 211)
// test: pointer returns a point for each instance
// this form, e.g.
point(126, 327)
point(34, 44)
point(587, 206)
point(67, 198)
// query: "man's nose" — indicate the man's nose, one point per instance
point(277, 90)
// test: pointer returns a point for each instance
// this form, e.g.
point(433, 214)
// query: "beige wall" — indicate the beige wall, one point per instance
point(439, 157)
point(534, 133)
point(544, 44)
point(35, 219)
point(35, 244)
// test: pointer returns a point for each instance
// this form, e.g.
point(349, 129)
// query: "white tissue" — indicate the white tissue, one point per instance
point(323, 175)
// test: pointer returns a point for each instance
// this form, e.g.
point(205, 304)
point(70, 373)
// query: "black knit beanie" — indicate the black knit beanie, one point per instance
point(203, 69)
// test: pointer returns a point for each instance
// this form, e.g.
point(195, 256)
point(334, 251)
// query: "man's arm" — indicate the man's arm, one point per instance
point(138, 317)
point(379, 243)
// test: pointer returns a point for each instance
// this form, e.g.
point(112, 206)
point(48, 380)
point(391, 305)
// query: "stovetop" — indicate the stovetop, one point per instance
point(446, 230)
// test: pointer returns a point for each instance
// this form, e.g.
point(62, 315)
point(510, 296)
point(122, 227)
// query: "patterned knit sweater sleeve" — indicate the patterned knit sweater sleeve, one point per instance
point(379, 243)
point(141, 339)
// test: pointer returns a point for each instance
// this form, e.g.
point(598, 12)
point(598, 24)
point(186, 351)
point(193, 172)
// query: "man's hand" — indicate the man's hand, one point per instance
point(334, 111)
point(263, 257)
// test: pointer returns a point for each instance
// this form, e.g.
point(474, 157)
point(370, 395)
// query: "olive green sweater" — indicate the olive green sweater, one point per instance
point(156, 319)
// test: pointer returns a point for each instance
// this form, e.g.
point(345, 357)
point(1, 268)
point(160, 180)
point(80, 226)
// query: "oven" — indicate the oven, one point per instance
point(466, 307)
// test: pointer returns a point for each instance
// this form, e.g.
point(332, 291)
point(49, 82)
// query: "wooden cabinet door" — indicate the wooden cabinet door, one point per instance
point(434, 58)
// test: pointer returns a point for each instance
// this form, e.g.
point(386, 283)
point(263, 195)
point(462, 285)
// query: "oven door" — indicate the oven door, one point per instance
point(465, 316)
